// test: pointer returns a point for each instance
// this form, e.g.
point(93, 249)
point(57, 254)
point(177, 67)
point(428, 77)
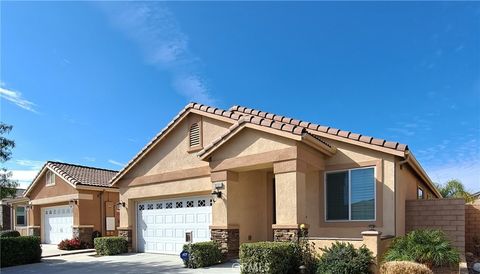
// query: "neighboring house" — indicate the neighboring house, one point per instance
point(246, 175)
point(68, 201)
point(13, 212)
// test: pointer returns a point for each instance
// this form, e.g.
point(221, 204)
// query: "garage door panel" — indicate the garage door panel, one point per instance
point(162, 224)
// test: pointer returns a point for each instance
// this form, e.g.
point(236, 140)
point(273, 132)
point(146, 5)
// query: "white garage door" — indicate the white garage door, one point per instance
point(58, 223)
point(162, 225)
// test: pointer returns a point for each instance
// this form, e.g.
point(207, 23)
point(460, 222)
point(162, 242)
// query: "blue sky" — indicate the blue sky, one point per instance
point(91, 83)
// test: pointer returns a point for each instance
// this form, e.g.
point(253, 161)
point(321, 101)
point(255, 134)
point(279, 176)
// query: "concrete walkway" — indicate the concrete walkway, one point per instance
point(52, 251)
point(125, 263)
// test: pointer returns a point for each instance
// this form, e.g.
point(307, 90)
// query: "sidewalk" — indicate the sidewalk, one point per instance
point(52, 251)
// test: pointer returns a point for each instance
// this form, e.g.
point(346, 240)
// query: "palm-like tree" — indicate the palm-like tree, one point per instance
point(454, 189)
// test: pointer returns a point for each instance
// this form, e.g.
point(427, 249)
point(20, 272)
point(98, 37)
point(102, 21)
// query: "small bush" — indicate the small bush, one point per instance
point(110, 245)
point(345, 258)
point(20, 250)
point(9, 233)
point(73, 244)
point(401, 267)
point(425, 246)
point(269, 257)
point(202, 254)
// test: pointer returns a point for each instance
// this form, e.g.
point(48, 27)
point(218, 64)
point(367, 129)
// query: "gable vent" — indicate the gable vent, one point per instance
point(194, 134)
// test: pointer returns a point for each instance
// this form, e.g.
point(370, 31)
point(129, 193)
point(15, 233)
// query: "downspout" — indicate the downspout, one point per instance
point(407, 157)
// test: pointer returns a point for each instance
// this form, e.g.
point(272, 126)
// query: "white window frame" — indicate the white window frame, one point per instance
point(49, 175)
point(423, 193)
point(24, 216)
point(350, 195)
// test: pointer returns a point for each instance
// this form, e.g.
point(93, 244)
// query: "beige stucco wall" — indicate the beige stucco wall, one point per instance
point(252, 195)
point(250, 142)
point(41, 190)
point(407, 184)
point(172, 152)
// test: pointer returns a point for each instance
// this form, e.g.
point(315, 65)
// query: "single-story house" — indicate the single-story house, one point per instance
point(13, 213)
point(246, 175)
point(71, 201)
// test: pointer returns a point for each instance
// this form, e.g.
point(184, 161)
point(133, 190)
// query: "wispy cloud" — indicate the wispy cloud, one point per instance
point(89, 159)
point(32, 164)
point(154, 28)
point(16, 98)
point(113, 162)
point(454, 160)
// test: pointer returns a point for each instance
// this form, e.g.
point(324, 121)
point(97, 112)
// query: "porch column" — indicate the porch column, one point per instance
point(34, 217)
point(127, 218)
point(224, 229)
point(290, 199)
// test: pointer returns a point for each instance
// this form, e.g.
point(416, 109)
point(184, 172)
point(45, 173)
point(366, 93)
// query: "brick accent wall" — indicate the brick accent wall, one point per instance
point(83, 234)
point(229, 241)
point(127, 234)
point(445, 214)
point(472, 224)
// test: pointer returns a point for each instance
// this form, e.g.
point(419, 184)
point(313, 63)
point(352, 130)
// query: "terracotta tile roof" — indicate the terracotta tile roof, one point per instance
point(262, 118)
point(312, 128)
point(83, 175)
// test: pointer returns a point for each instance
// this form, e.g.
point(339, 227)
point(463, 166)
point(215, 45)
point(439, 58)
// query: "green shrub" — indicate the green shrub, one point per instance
point(20, 250)
point(425, 246)
point(9, 233)
point(345, 258)
point(202, 254)
point(110, 245)
point(401, 267)
point(269, 257)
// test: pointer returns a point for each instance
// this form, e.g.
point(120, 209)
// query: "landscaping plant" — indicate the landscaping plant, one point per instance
point(401, 267)
point(269, 257)
point(306, 254)
point(345, 258)
point(202, 254)
point(20, 250)
point(9, 233)
point(110, 245)
point(73, 244)
point(425, 246)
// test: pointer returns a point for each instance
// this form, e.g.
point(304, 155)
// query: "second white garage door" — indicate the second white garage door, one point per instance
point(162, 225)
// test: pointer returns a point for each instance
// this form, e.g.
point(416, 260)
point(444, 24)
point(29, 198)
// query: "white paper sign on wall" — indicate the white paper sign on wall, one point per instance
point(110, 223)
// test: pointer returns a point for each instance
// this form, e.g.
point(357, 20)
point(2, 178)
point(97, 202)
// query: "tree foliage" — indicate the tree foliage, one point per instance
point(454, 189)
point(7, 185)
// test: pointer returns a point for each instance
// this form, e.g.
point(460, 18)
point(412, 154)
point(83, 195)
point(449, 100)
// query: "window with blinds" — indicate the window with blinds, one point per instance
point(350, 195)
point(194, 134)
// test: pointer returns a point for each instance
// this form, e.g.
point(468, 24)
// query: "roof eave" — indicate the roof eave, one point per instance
point(412, 161)
point(313, 142)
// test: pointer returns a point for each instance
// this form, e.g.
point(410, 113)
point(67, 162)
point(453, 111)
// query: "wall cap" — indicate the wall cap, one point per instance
point(371, 233)
point(224, 227)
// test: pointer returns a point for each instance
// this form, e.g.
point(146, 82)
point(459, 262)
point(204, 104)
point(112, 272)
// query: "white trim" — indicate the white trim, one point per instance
point(24, 215)
point(63, 198)
point(350, 195)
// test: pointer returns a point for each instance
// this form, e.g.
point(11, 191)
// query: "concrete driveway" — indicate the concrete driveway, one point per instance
point(127, 263)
